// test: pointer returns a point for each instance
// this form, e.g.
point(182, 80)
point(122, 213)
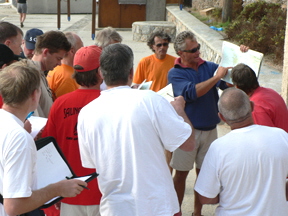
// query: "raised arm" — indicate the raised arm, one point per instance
point(203, 87)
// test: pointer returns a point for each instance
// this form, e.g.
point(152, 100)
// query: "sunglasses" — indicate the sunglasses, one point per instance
point(162, 44)
point(193, 50)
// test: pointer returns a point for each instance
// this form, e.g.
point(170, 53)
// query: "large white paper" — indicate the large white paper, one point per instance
point(232, 55)
point(51, 167)
point(167, 92)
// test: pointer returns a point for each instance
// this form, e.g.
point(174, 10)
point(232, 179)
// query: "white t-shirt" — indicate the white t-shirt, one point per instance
point(17, 159)
point(248, 168)
point(123, 134)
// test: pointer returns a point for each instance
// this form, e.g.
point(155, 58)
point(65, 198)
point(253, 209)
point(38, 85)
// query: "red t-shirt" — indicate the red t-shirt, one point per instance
point(62, 125)
point(269, 108)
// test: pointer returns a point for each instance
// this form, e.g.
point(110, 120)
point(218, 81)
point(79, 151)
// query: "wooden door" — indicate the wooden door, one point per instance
point(172, 1)
point(119, 16)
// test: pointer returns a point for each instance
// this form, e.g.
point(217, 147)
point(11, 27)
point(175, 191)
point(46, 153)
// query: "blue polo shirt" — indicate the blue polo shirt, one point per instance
point(202, 111)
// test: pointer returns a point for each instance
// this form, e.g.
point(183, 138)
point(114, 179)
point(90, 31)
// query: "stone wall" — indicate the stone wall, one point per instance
point(203, 4)
point(210, 40)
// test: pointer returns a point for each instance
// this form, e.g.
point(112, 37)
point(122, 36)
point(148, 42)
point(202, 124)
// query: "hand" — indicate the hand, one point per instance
point(222, 71)
point(244, 48)
point(178, 103)
point(27, 126)
point(71, 187)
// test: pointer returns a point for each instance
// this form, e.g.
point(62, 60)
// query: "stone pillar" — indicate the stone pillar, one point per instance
point(284, 91)
point(155, 10)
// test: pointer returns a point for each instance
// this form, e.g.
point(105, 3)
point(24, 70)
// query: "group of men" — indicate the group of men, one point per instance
point(123, 133)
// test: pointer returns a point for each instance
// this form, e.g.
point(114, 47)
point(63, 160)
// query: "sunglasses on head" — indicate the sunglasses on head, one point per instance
point(192, 50)
point(162, 44)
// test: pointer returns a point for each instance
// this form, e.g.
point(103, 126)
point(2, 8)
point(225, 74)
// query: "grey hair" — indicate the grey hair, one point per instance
point(116, 62)
point(234, 105)
point(106, 36)
point(180, 40)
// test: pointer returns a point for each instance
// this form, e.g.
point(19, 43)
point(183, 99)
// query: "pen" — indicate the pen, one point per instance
point(79, 185)
point(170, 95)
point(30, 114)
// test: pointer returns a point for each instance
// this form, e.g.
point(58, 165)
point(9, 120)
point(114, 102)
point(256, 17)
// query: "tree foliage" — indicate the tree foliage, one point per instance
point(261, 26)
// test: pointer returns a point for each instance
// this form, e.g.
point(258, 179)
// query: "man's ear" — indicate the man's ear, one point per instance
point(100, 73)
point(7, 42)
point(221, 117)
point(45, 51)
point(131, 74)
point(34, 94)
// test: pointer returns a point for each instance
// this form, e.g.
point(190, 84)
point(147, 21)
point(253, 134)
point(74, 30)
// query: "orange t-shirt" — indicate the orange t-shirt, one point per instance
point(153, 69)
point(60, 80)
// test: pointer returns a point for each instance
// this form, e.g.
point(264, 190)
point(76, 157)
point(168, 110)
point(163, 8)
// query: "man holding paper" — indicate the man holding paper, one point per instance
point(20, 89)
point(195, 79)
point(155, 67)
point(123, 134)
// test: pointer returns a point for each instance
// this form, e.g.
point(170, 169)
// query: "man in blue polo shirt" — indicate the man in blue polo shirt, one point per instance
point(194, 79)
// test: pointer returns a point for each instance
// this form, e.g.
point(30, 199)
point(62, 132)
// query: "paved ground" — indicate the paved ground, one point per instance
point(81, 24)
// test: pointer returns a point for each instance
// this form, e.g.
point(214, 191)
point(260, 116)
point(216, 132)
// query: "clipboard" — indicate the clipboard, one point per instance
point(52, 167)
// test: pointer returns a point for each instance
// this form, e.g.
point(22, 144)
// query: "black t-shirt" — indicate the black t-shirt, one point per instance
point(21, 1)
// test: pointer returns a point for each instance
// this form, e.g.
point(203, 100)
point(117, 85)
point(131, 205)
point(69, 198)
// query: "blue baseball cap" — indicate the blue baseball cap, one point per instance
point(31, 37)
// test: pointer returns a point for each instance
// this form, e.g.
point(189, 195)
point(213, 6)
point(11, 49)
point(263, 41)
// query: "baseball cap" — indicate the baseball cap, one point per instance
point(87, 57)
point(30, 37)
point(6, 55)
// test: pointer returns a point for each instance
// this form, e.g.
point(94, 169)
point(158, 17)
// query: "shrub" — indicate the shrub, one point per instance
point(261, 26)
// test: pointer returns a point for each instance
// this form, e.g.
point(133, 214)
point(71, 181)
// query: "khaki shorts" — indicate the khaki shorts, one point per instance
point(184, 161)
point(78, 210)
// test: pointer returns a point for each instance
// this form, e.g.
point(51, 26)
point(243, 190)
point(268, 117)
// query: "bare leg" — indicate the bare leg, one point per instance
point(168, 156)
point(197, 203)
point(23, 17)
point(179, 184)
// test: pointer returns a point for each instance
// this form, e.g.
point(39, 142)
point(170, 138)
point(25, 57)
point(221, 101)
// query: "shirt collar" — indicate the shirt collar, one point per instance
point(179, 63)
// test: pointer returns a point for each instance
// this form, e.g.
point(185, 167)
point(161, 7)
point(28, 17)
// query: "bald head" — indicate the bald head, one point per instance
point(234, 105)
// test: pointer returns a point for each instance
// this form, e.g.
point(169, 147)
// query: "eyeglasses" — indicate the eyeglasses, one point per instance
point(193, 50)
point(162, 44)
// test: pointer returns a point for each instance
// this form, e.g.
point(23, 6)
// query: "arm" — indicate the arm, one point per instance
point(206, 200)
point(179, 105)
point(203, 87)
point(65, 188)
